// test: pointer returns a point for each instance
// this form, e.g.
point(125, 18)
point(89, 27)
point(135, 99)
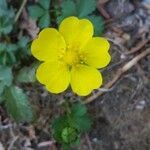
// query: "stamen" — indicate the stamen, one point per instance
point(71, 56)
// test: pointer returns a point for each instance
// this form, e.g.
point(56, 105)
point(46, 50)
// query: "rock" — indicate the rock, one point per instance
point(119, 8)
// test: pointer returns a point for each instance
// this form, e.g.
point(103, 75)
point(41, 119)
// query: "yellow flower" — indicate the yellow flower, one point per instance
point(71, 56)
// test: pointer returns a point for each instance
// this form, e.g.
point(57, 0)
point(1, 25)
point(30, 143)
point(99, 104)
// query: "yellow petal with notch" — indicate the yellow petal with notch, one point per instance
point(54, 75)
point(84, 79)
point(96, 52)
point(48, 45)
point(76, 32)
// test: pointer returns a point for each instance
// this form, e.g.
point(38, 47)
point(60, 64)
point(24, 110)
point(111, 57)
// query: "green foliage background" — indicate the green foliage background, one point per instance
point(14, 51)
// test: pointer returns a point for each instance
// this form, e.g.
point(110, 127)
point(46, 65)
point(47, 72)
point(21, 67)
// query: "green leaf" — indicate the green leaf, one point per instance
point(79, 118)
point(23, 48)
point(58, 125)
point(8, 54)
point(11, 47)
point(85, 7)
point(6, 76)
point(7, 29)
point(6, 23)
point(10, 14)
point(44, 20)
point(35, 11)
point(78, 110)
point(98, 23)
point(59, 19)
point(3, 4)
point(11, 58)
point(2, 87)
point(68, 128)
point(27, 74)
point(1, 97)
point(17, 104)
point(65, 146)
point(23, 42)
point(68, 8)
point(2, 47)
point(3, 58)
point(69, 135)
point(45, 3)
point(81, 123)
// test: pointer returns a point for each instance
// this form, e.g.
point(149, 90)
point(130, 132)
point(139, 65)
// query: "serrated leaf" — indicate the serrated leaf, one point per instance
point(67, 129)
point(3, 4)
point(45, 3)
point(44, 21)
point(59, 19)
point(58, 125)
point(2, 98)
point(3, 58)
point(79, 118)
point(23, 41)
point(2, 12)
point(11, 59)
point(69, 135)
point(68, 8)
point(10, 14)
point(35, 11)
point(6, 23)
point(27, 74)
point(7, 29)
point(78, 110)
point(11, 48)
point(98, 23)
point(6, 75)
point(85, 7)
point(8, 54)
point(17, 104)
point(82, 123)
point(65, 146)
point(2, 86)
point(2, 47)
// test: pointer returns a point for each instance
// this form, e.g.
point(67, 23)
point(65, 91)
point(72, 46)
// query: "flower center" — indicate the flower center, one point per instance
point(71, 57)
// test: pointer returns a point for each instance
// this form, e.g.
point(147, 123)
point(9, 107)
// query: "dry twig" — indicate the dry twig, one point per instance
point(138, 47)
point(49, 144)
point(20, 10)
point(88, 142)
point(102, 9)
point(120, 71)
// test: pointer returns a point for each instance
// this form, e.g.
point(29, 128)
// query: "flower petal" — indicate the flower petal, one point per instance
point(84, 79)
point(48, 45)
point(76, 32)
point(96, 52)
point(55, 75)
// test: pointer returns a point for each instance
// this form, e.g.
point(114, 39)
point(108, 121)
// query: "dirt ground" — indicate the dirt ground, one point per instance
point(121, 115)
